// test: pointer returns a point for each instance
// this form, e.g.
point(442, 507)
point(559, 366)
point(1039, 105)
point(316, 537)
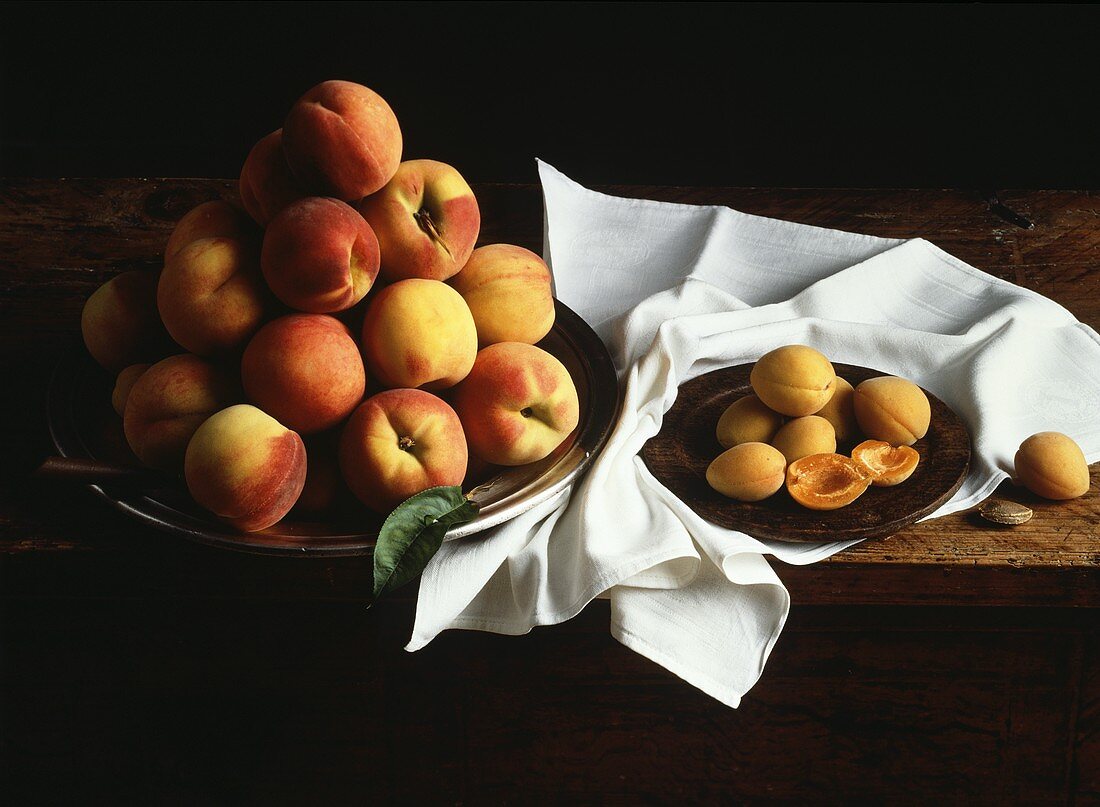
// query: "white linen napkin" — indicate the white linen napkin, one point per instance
point(679, 290)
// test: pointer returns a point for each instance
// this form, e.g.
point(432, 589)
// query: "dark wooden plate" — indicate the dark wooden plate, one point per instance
point(680, 453)
point(85, 427)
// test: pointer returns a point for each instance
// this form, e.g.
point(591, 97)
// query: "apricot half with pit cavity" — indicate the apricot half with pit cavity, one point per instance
point(889, 465)
point(793, 380)
point(747, 472)
point(827, 481)
point(892, 409)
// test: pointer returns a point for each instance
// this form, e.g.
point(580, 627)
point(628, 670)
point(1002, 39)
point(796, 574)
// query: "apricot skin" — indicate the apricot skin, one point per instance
point(747, 420)
point(748, 472)
point(804, 436)
point(892, 409)
point(840, 411)
point(794, 380)
point(1052, 465)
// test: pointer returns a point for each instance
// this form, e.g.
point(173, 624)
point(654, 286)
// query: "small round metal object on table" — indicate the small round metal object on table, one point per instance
point(679, 454)
point(84, 426)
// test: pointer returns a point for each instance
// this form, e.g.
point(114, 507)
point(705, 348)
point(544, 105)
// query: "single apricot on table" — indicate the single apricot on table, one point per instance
point(748, 472)
point(892, 409)
point(1053, 466)
point(804, 436)
point(827, 481)
point(793, 380)
point(747, 420)
point(890, 465)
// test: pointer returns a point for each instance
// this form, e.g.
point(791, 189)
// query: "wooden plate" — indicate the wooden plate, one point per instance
point(83, 425)
point(680, 453)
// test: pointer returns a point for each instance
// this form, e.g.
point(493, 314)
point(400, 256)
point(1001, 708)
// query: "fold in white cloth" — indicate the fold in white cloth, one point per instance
point(679, 290)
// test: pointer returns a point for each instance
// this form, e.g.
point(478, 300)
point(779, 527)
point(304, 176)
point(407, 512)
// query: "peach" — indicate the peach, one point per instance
point(246, 467)
point(266, 184)
point(1053, 466)
point(342, 139)
point(892, 409)
point(419, 333)
point(211, 296)
point(124, 383)
point(398, 443)
point(426, 220)
point(319, 256)
point(747, 420)
point(120, 323)
point(747, 472)
point(169, 401)
point(517, 404)
point(840, 411)
point(305, 371)
point(508, 291)
point(794, 380)
point(217, 219)
point(324, 486)
point(804, 436)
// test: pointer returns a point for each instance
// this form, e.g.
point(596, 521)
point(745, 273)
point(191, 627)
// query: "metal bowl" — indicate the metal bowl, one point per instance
point(84, 426)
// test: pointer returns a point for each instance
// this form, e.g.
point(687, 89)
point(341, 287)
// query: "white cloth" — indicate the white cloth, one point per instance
point(679, 290)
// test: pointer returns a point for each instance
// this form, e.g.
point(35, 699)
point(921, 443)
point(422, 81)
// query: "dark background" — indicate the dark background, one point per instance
point(975, 96)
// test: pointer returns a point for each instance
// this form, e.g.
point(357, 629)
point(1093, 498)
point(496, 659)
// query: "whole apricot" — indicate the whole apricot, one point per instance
point(804, 436)
point(827, 481)
point(747, 472)
point(892, 409)
point(793, 380)
point(1053, 466)
point(840, 411)
point(747, 420)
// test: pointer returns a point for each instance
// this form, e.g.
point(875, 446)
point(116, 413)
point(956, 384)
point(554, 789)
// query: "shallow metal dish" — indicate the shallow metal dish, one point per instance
point(83, 425)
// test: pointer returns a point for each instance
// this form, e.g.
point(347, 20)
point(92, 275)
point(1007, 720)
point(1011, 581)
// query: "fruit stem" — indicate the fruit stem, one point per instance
point(406, 443)
point(427, 224)
point(526, 412)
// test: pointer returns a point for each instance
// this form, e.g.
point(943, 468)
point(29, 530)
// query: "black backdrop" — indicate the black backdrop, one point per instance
point(980, 96)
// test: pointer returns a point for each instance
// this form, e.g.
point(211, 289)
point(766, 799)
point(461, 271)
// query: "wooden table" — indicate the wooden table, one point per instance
point(950, 660)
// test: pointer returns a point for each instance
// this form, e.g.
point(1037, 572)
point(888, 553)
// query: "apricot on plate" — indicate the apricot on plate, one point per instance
point(1053, 466)
point(793, 380)
point(840, 411)
point(748, 472)
point(804, 436)
point(747, 420)
point(892, 409)
point(124, 383)
point(890, 465)
point(827, 481)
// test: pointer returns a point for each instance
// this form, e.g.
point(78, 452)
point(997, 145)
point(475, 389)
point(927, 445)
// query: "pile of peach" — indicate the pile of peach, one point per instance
point(341, 330)
point(788, 432)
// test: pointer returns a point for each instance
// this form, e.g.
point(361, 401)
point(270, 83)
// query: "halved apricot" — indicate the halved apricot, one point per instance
point(827, 481)
point(889, 465)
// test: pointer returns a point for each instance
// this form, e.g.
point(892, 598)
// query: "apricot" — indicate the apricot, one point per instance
point(246, 467)
point(120, 323)
point(517, 404)
point(793, 380)
point(169, 402)
point(840, 411)
point(419, 333)
point(398, 443)
point(889, 465)
point(1052, 465)
point(827, 481)
point(124, 383)
point(892, 409)
point(508, 291)
point(319, 255)
point(804, 436)
point(305, 371)
point(747, 420)
point(342, 139)
point(266, 184)
point(748, 472)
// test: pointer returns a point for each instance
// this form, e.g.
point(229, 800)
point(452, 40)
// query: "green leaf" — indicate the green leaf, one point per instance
point(413, 533)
